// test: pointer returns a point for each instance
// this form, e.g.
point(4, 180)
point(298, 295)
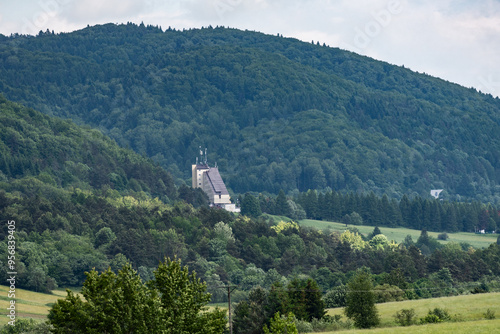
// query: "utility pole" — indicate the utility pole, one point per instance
point(229, 307)
point(230, 289)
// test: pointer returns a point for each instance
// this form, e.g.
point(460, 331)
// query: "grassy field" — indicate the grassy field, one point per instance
point(399, 234)
point(29, 304)
point(470, 327)
point(468, 310)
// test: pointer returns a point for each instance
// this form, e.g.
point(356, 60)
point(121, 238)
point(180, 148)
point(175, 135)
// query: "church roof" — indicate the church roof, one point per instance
point(215, 180)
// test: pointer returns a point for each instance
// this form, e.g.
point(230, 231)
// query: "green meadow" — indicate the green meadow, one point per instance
point(463, 308)
point(29, 304)
point(467, 313)
point(470, 327)
point(399, 234)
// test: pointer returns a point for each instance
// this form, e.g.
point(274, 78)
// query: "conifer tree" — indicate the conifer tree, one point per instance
point(315, 306)
point(282, 206)
point(250, 206)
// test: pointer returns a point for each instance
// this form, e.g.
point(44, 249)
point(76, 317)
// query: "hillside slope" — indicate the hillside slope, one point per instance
point(38, 152)
point(275, 113)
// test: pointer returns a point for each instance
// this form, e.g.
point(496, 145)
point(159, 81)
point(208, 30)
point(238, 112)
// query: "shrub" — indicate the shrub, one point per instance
point(303, 326)
point(336, 297)
point(443, 315)
point(443, 236)
point(405, 317)
point(388, 293)
point(490, 315)
point(436, 315)
point(430, 319)
point(327, 323)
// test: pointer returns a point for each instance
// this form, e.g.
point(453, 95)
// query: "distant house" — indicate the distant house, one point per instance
point(435, 193)
point(209, 180)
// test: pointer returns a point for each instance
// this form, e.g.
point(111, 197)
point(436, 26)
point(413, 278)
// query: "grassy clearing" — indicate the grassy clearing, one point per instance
point(465, 309)
point(470, 327)
point(29, 304)
point(399, 234)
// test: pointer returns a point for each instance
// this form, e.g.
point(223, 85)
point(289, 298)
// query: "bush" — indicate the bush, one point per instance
point(327, 323)
point(336, 297)
point(436, 315)
point(388, 293)
point(490, 315)
point(443, 315)
point(27, 326)
point(405, 317)
point(430, 319)
point(443, 236)
point(303, 326)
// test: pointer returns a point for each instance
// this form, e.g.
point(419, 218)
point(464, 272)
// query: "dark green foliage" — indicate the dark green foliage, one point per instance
point(443, 236)
point(302, 298)
point(297, 298)
point(436, 315)
point(376, 231)
point(121, 303)
point(183, 296)
point(489, 314)
point(426, 243)
point(360, 301)
point(277, 299)
point(195, 197)
point(113, 304)
point(315, 306)
point(282, 207)
point(405, 317)
point(388, 293)
point(45, 152)
point(277, 113)
point(336, 297)
point(369, 209)
point(250, 316)
point(250, 206)
point(104, 236)
point(281, 324)
point(66, 231)
point(27, 326)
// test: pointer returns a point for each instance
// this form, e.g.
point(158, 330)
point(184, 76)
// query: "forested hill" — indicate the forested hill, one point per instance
point(41, 156)
point(275, 113)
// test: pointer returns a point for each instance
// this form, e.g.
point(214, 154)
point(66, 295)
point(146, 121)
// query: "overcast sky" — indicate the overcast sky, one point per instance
point(457, 40)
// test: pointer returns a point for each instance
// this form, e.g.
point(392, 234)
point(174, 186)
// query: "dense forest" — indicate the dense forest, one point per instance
point(80, 202)
point(99, 127)
point(275, 113)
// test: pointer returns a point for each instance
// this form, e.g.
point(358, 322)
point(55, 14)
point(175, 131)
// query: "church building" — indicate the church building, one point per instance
point(209, 180)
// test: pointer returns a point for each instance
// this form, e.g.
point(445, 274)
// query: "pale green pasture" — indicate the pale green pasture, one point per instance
point(400, 233)
point(29, 304)
point(463, 309)
point(470, 327)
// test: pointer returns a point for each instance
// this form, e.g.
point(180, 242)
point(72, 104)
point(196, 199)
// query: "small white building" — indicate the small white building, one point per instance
point(209, 180)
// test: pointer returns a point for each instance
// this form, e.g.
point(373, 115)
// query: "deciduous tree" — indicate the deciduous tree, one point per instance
point(361, 300)
point(173, 302)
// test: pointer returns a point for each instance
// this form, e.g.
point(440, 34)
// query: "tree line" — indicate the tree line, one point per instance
point(368, 209)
